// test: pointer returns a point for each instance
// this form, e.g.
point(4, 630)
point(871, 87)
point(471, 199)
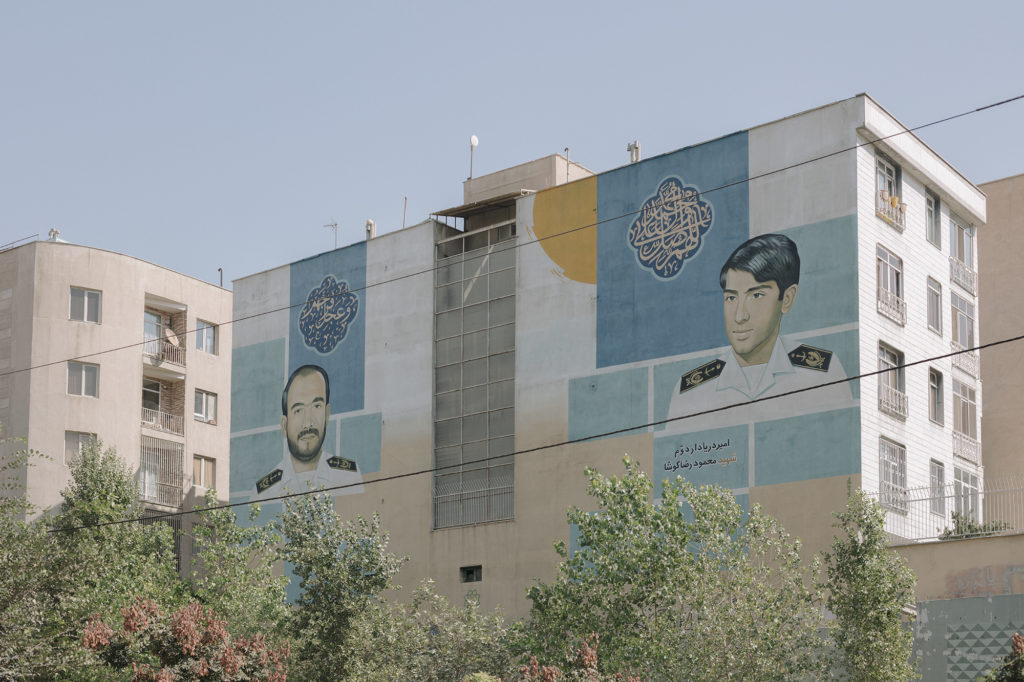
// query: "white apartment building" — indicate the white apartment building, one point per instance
point(96, 344)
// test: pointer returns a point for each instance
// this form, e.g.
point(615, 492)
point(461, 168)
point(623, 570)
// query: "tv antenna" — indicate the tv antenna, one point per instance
point(473, 142)
point(334, 226)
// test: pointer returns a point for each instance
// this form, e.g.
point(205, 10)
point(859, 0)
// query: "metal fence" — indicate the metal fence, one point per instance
point(953, 511)
point(165, 421)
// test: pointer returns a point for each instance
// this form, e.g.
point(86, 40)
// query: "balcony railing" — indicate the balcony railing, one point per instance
point(165, 421)
point(966, 360)
point(966, 447)
point(164, 351)
point(892, 401)
point(161, 474)
point(926, 514)
point(962, 274)
point(890, 210)
point(892, 306)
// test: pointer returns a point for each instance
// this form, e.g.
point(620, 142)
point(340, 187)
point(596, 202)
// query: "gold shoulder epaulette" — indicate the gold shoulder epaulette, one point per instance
point(810, 357)
point(696, 377)
point(269, 480)
point(341, 463)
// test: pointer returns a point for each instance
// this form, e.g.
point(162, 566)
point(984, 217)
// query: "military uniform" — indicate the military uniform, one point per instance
point(330, 471)
point(791, 367)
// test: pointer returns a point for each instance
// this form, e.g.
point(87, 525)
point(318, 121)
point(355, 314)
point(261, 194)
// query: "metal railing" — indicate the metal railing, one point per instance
point(891, 210)
point(892, 306)
point(166, 351)
point(967, 361)
point(962, 274)
point(465, 508)
point(953, 511)
point(966, 447)
point(165, 421)
point(161, 471)
point(892, 401)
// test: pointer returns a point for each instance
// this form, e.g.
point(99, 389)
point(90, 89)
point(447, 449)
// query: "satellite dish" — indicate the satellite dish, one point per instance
point(473, 141)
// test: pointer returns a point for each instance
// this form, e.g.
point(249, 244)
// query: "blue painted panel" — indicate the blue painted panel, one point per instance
point(607, 402)
point(255, 455)
point(715, 457)
point(257, 377)
point(361, 441)
point(641, 313)
point(807, 447)
point(328, 321)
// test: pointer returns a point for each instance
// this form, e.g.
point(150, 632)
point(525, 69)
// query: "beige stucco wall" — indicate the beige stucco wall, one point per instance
point(975, 567)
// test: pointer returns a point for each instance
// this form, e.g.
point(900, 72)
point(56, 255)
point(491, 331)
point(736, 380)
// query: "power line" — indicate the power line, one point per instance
point(550, 446)
point(539, 239)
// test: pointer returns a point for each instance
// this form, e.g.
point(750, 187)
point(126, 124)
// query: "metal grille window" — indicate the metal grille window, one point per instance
point(74, 442)
point(85, 305)
point(933, 219)
point(161, 471)
point(83, 379)
point(936, 409)
point(937, 486)
point(174, 522)
point(934, 306)
point(474, 377)
point(965, 410)
point(892, 474)
point(965, 494)
point(962, 312)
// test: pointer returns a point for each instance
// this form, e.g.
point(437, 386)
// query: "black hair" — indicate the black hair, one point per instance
point(305, 369)
point(769, 258)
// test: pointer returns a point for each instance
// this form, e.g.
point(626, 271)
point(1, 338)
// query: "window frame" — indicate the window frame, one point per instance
point(935, 297)
point(966, 493)
point(894, 363)
point(961, 240)
point(892, 474)
point(207, 468)
point(86, 307)
point(893, 271)
point(936, 397)
point(203, 399)
point(82, 439)
point(882, 164)
point(933, 219)
point(958, 314)
point(965, 409)
point(81, 368)
point(206, 334)
point(937, 487)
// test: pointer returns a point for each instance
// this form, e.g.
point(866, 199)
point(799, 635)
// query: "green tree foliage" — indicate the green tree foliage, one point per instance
point(343, 567)
point(1012, 667)
point(683, 589)
point(869, 588)
point(965, 526)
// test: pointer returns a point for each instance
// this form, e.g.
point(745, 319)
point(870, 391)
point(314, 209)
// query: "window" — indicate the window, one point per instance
point(934, 306)
point(887, 177)
point(74, 442)
point(890, 285)
point(965, 410)
point(936, 410)
point(961, 241)
point(937, 484)
point(962, 313)
point(206, 407)
point(150, 395)
point(892, 474)
point(152, 332)
point(206, 337)
point(204, 472)
point(892, 397)
point(471, 574)
point(965, 492)
point(83, 379)
point(160, 471)
point(933, 219)
point(887, 198)
point(85, 305)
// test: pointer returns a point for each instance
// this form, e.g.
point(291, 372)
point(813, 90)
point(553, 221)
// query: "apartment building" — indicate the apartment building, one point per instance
point(96, 344)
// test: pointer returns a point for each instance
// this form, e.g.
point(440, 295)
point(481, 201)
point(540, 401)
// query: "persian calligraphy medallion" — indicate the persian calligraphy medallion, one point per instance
point(670, 228)
point(328, 311)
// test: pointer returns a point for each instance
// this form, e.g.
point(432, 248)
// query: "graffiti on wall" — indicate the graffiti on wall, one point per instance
point(983, 581)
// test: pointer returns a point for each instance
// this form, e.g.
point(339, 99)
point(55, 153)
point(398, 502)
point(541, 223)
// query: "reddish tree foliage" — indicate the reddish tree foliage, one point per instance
point(582, 666)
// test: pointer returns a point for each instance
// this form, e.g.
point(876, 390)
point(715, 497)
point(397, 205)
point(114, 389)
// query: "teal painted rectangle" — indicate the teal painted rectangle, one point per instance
point(807, 447)
point(254, 456)
point(715, 457)
point(361, 441)
point(603, 403)
point(257, 379)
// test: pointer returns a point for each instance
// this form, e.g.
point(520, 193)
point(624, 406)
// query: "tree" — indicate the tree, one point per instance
point(869, 589)
point(683, 589)
point(1011, 669)
point(343, 568)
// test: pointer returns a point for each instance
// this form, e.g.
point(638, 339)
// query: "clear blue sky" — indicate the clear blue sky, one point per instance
point(199, 135)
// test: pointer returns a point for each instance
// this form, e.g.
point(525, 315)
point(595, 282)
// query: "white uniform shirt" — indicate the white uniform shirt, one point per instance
point(344, 472)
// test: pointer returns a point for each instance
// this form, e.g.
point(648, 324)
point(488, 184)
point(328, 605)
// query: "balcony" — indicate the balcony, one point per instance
point(891, 210)
point(892, 401)
point(161, 476)
point(966, 447)
point(965, 360)
point(892, 306)
point(163, 421)
point(161, 350)
point(962, 274)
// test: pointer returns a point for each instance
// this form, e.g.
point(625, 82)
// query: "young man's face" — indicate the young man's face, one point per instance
point(753, 312)
point(305, 424)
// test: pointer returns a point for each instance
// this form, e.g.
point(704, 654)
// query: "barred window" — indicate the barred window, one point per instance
point(161, 474)
point(892, 474)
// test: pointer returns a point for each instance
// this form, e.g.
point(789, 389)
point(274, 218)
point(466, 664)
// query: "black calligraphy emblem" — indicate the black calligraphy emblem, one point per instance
point(670, 227)
point(329, 310)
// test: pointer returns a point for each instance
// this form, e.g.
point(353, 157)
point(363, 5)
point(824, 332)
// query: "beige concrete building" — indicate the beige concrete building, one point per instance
point(96, 344)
